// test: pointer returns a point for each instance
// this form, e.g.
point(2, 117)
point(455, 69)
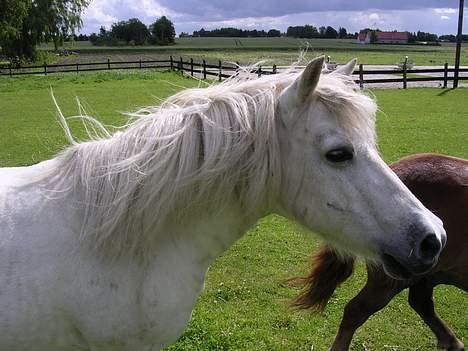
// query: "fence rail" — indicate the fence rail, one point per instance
point(223, 70)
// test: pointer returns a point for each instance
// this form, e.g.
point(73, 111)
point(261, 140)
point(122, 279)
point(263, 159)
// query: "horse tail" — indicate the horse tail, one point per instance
point(329, 269)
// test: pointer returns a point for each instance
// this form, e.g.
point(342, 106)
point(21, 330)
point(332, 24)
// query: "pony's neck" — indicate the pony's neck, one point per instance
point(210, 236)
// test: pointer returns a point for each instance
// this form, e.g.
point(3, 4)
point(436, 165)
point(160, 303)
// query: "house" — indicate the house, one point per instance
point(364, 37)
point(384, 37)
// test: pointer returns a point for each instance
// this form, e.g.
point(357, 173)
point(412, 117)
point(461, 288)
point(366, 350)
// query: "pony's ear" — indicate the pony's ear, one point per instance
point(308, 80)
point(347, 69)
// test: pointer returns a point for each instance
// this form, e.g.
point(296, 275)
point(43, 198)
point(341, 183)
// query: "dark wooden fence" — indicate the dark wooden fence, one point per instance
point(108, 65)
point(444, 75)
point(220, 70)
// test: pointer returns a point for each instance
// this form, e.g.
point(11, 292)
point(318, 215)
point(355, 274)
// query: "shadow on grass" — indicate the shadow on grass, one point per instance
point(445, 91)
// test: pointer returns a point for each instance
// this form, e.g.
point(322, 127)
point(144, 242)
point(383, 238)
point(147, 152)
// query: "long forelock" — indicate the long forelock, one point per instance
point(355, 110)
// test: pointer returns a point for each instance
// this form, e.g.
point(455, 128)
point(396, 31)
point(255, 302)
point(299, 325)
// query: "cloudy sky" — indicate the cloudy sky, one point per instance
point(436, 16)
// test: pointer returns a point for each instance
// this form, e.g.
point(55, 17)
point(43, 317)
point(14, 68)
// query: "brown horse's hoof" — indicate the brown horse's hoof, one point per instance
point(453, 345)
point(456, 349)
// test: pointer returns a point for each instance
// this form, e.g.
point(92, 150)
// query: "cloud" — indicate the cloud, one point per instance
point(189, 15)
point(105, 12)
point(225, 9)
point(445, 11)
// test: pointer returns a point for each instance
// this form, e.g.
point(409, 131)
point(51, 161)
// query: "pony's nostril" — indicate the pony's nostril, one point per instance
point(430, 247)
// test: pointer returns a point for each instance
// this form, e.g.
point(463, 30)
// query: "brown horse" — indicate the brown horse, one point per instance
point(441, 184)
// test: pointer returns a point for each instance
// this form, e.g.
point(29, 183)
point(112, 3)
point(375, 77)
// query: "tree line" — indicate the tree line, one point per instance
point(309, 31)
point(431, 37)
point(453, 38)
point(135, 32)
point(422, 36)
point(233, 33)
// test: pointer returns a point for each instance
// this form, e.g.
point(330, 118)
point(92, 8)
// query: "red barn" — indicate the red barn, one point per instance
point(384, 37)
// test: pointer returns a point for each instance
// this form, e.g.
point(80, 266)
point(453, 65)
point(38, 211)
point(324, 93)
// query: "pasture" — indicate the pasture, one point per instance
point(244, 305)
point(280, 51)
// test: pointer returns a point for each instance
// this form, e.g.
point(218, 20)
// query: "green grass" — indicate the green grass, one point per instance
point(29, 129)
point(243, 306)
point(278, 50)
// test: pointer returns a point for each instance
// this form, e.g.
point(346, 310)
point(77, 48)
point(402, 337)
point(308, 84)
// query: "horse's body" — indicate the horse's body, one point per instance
point(441, 183)
point(106, 246)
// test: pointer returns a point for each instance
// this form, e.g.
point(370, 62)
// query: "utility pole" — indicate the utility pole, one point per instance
point(459, 40)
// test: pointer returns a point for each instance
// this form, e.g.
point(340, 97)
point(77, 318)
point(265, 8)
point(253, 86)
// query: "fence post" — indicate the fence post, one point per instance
point(445, 75)
point(139, 63)
point(220, 70)
point(259, 71)
point(10, 70)
point(108, 64)
point(45, 68)
point(361, 76)
point(181, 65)
point(77, 68)
point(191, 67)
point(204, 69)
point(172, 63)
point(405, 83)
point(274, 69)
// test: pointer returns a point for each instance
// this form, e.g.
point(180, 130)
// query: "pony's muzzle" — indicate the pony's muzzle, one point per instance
point(423, 255)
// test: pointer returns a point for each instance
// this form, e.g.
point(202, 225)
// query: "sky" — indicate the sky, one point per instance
point(435, 16)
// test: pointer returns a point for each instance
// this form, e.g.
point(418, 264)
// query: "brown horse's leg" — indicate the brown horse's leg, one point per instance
point(375, 295)
point(420, 299)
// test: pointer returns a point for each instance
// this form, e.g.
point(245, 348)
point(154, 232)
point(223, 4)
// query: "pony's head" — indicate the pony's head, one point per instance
point(334, 182)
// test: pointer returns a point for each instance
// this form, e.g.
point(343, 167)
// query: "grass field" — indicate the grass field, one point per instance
point(243, 305)
point(280, 51)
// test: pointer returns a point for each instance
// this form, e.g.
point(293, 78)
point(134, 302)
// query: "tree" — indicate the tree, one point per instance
point(162, 31)
point(274, 33)
point(131, 31)
point(93, 38)
point(342, 33)
point(12, 15)
point(307, 31)
point(83, 37)
point(38, 21)
point(331, 33)
point(423, 36)
point(448, 37)
point(322, 31)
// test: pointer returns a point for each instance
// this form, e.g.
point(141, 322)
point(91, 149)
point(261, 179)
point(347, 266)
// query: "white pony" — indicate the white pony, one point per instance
point(106, 246)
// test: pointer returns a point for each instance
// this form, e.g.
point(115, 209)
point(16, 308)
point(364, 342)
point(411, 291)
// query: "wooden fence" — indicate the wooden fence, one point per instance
point(221, 70)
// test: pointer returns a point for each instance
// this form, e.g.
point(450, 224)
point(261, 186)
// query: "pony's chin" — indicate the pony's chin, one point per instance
point(394, 268)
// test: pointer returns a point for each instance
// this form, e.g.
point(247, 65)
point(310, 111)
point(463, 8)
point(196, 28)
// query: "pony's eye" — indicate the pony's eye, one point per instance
point(340, 155)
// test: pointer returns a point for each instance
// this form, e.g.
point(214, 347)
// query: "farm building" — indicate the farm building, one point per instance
point(384, 37)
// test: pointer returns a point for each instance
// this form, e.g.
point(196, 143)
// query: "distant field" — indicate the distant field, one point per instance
point(277, 50)
point(243, 305)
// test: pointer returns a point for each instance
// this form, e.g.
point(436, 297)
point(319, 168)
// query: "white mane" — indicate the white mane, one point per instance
point(197, 151)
